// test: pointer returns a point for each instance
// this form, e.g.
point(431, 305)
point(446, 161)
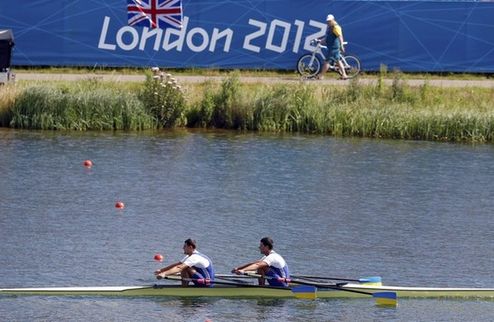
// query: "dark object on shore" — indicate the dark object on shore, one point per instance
point(6, 44)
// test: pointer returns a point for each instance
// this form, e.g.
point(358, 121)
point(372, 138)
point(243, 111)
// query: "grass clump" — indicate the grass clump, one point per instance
point(8, 95)
point(227, 111)
point(221, 107)
point(80, 106)
point(272, 110)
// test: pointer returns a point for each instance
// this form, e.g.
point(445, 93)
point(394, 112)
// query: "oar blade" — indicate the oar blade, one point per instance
point(371, 281)
point(385, 298)
point(306, 292)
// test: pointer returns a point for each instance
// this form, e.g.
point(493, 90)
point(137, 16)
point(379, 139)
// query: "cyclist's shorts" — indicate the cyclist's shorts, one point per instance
point(333, 54)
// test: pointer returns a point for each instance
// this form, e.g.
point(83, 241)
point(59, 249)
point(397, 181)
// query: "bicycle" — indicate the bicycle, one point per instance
point(309, 65)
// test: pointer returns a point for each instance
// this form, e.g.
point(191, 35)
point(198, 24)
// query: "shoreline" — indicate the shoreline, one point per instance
point(398, 108)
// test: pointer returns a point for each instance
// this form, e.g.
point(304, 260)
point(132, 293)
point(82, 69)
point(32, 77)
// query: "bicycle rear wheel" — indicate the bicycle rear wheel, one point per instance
point(307, 66)
point(352, 66)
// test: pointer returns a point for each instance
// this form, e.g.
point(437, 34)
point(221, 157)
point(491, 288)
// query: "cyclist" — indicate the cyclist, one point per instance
point(334, 41)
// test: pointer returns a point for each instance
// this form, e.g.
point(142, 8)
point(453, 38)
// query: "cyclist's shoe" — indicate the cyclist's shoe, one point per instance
point(319, 77)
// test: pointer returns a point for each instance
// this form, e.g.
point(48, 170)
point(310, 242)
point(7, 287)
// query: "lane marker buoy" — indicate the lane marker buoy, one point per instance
point(88, 164)
point(158, 257)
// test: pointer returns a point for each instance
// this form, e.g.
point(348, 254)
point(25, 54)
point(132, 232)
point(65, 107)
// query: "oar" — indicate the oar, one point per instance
point(375, 280)
point(372, 280)
point(368, 281)
point(232, 276)
point(236, 278)
point(207, 281)
point(382, 298)
point(233, 279)
point(300, 291)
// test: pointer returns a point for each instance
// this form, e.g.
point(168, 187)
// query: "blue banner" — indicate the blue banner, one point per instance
point(407, 35)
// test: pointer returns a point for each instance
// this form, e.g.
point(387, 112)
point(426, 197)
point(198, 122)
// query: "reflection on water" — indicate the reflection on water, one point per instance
point(415, 213)
point(271, 302)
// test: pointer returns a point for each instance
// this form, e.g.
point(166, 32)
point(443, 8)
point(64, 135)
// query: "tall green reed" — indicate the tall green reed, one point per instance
point(222, 107)
point(80, 106)
point(8, 94)
point(227, 109)
point(202, 115)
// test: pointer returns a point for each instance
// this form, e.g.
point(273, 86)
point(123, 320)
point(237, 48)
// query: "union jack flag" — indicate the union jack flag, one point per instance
point(155, 13)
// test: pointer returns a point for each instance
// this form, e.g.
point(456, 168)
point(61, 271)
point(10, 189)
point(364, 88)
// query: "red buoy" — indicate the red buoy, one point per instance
point(158, 257)
point(88, 163)
point(119, 205)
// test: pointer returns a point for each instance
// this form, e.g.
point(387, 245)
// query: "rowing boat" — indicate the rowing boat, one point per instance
point(251, 291)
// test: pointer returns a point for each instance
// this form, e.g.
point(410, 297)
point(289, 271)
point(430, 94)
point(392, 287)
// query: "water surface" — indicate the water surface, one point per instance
point(415, 213)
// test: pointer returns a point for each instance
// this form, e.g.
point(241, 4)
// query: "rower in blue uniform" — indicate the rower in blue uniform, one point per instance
point(194, 267)
point(271, 265)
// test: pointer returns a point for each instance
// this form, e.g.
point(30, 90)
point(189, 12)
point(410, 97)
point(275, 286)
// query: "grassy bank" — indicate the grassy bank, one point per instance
point(378, 111)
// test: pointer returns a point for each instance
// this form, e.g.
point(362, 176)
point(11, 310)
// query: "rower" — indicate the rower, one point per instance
point(271, 264)
point(194, 267)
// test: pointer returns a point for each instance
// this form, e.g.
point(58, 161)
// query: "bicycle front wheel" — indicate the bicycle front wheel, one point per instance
point(308, 66)
point(352, 66)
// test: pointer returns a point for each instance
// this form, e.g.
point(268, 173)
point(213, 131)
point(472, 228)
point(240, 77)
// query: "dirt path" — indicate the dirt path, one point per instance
point(487, 83)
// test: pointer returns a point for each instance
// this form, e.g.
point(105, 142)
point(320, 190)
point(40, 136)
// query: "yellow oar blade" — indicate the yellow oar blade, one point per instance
point(385, 298)
point(305, 292)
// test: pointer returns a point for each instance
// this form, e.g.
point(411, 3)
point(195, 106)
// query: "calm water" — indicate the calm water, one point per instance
point(415, 213)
